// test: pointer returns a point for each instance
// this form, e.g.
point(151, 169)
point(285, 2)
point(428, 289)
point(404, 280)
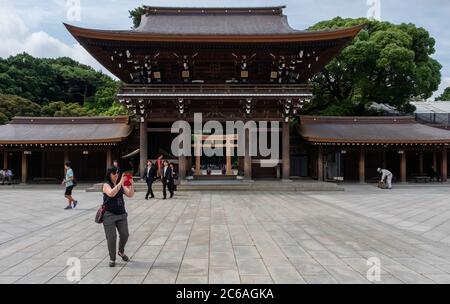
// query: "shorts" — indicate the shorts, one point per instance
point(68, 190)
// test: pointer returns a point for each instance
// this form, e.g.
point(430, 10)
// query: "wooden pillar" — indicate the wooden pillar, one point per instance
point(286, 151)
point(198, 151)
point(241, 165)
point(143, 147)
point(189, 164)
point(5, 160)
point(320, 164)
point(444, 164)
point(43, 163)
point(229, 170)
point(182, 167)
point(435, 161)
point(247, 156)
point(24, 168)
point(421, 163)
point(384, 159)
point(403, 167)
point(108, 157)
point(362, 166)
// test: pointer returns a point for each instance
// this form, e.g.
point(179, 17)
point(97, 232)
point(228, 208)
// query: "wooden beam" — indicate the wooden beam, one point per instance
point(444, 164)
point(435, 161)
point(24, 168)
point(247, 157)
point(421, 163)
point(229, 170)
point(143, 147)
point(198, 152)
point(5, 160)
point(286, 151)
point(108, 157)
point(43, 163)
point(403, 167)
point(362, 166)
point(216, 145)
point(320, 164)
point(182, 167)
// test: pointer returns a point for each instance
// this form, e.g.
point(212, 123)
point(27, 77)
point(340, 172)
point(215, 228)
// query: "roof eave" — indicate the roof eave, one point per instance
point(133, 36)
point(64, 142)
point(374, 142)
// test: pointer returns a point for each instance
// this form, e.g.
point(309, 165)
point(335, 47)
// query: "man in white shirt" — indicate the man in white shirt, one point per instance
point(386, 175)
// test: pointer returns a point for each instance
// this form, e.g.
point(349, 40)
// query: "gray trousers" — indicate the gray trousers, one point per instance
point(111, 222)
point(389, 181)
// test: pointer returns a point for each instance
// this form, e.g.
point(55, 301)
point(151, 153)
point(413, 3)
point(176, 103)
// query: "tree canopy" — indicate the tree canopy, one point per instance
point(445, 96)
point(42, 80)
point(11, 105)
point(385, 63)
point(136, 14)
point(54, 87)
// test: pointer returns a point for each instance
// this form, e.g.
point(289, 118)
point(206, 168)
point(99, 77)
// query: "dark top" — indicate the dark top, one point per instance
point(116, 204)
point(167, 176)
point(150, 175)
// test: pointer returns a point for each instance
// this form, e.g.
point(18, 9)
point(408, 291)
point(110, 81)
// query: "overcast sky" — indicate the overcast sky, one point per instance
point(36, 26)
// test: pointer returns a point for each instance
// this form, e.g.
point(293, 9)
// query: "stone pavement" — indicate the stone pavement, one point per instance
point(226, 237)
point(422, 209)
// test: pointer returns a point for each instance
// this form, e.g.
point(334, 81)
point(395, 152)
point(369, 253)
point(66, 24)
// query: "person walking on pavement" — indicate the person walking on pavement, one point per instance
point(115, 216)
point(167, 180)
point(149, 177)
point(69, 182)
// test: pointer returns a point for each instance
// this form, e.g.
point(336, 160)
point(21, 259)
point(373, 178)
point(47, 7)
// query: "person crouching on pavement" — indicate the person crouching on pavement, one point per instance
point(386, 175)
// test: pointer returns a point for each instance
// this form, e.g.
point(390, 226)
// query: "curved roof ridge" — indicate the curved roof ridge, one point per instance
point(216, 10)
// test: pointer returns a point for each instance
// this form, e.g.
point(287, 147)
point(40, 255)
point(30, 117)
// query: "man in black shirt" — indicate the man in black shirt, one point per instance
point(167, 180)
point(149, 177)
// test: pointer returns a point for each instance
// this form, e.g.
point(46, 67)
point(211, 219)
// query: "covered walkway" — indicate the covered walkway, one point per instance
point(352, 148)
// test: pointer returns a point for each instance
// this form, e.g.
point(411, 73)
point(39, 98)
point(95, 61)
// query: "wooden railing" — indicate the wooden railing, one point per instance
point(215, 89)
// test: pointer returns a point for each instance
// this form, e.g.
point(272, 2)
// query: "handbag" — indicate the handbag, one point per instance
point(100, 213)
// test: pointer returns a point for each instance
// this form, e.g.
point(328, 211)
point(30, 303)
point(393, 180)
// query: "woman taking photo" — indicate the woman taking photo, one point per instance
point(115, 216)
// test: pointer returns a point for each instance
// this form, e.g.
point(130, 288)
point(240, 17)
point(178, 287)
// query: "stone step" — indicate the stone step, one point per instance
point(238, 185)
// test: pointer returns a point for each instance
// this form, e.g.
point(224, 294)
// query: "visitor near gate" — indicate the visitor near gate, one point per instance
point(149, 177)
point(167, 179)
point(119, 170)
point(6, 175)
point(159, 165)
point(115, 216)
point(174, 177)
point(69, 182)
point(386, 176)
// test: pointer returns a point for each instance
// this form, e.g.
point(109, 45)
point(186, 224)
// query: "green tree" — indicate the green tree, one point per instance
point(385, 63)
point(12, 105)
point(42, 80)
point(104, 98)
point(136, 14)
point(115, 109)
point(62, 109)
point(3, 119)
point(445, 96)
